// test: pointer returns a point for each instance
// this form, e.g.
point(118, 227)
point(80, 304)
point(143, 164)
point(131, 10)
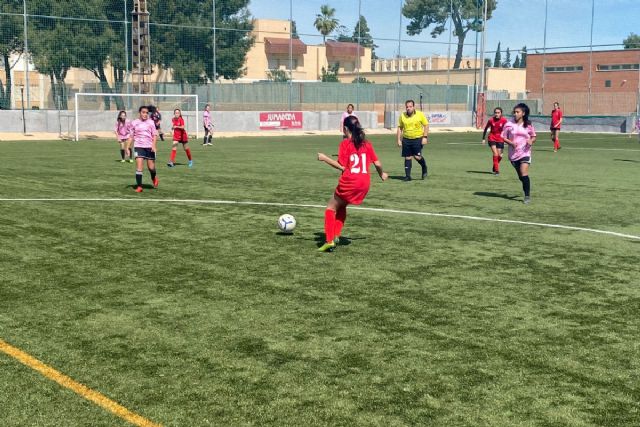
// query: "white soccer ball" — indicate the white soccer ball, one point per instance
point(286, 223)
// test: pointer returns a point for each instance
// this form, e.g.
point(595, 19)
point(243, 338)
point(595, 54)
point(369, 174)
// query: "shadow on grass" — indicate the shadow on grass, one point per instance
point(498, 195)
point(397, 177)
point(626, 160)
point(481, 172)
point(344, 241)
point(144, 186)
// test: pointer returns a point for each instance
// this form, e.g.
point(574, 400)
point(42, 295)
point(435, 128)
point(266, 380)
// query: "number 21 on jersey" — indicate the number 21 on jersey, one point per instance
point(358, 163)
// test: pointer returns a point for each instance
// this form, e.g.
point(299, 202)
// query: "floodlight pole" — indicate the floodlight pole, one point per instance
point(24, 122)
point(449, 56)
point(593, 6)
point(290, 53)
point(215, 71)
point(26, 51)
point(358, 64)
point(482, 44)
point(544, 53)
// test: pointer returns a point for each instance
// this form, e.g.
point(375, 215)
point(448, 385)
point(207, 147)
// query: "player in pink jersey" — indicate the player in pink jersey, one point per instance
point(520, 136)
point(354, 156)
point(556, 123)
point(636, 128)
point(495, 124)
point(346, 114)
point(208, 125)
point(122, 135)
point(143, 135)
point(179, 137)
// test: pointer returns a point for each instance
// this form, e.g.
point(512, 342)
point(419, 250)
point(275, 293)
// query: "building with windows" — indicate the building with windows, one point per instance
point(269, 56)
point(603, 82)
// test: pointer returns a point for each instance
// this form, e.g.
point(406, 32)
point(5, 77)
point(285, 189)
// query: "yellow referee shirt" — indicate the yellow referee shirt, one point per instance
point(412, 127)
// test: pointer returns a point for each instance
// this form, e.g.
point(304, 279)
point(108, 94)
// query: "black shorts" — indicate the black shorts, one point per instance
point(411, 147)
point(499, 145)
point(552, 129)
point(516, 163)
point(145, 153)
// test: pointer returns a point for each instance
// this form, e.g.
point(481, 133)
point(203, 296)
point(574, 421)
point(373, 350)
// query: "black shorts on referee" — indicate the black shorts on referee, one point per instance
point(411, 147)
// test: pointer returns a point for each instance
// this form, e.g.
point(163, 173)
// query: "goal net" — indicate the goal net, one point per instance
point(95, 114)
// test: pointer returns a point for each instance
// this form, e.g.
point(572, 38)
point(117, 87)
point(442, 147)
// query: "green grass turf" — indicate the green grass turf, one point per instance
point(202, 314)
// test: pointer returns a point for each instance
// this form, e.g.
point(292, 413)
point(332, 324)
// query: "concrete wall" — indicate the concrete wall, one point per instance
point(458, 119)
point(224, 121)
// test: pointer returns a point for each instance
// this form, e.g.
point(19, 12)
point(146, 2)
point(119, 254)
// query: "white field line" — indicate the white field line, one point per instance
point(297, 205)
point(564, 148)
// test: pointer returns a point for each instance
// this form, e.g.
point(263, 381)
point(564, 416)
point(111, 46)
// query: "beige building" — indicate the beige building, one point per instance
point(270, 52)
point(425, 63)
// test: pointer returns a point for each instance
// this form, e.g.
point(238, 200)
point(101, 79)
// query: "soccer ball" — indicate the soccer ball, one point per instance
point(286, 223)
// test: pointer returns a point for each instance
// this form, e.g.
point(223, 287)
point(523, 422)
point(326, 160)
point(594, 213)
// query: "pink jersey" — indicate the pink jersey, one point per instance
point(345, 115)
point(143, 132)
point(123, 129)
point(519, 135)
point(206, 119)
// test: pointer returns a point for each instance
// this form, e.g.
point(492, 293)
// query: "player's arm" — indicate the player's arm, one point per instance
point(383, 174)
point(399, 136)
point(484, 133)
point(153, 142)
point(328, 160)
point(425, 134)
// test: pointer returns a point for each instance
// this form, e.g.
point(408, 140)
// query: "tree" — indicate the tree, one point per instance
point(507, 59)
point(277, 76)
point(330, 75)
point(465, 17)
point(632, 41)
point(11, 42)
point(363, 32)
point(523, 60)
point(325, 22)
point(516, 62)
point(188, 49)
point(361, 80)
point(497, 61)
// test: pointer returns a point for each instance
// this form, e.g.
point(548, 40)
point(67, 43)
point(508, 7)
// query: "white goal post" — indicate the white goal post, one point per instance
point(101, 121)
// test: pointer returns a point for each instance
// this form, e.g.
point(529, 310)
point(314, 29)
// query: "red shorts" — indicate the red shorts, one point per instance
point(352, 194)
point(181, 137)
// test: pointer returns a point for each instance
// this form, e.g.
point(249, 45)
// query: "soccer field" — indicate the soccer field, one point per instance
point(189, 309)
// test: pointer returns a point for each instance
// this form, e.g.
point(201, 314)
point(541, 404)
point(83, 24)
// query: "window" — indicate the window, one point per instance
point(281, 63)
point(617, 67)
point(564, 69)
point(607, 83)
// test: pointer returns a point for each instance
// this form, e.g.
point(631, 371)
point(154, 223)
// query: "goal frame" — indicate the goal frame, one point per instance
point(131, 95)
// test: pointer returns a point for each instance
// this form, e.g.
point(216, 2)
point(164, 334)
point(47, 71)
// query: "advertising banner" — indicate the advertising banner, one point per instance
point(281, 120)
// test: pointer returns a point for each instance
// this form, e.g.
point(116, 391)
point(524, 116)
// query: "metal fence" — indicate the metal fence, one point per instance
point(51, 50)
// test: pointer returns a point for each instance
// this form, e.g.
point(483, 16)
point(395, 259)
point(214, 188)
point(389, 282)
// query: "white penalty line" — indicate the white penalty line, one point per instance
point(564, 148)
point(297, 205)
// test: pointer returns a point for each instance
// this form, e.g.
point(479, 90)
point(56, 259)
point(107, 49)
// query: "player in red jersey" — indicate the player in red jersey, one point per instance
point(354, 155)
point(495, 124)
point(556, 122)
point(179, 137)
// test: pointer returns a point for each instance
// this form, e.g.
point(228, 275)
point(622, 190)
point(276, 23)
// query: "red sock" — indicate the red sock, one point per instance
point(496, 166)
point(173, 156)
point(188, 151)
point(557, 143)
point(341, 216)
point(329, 224)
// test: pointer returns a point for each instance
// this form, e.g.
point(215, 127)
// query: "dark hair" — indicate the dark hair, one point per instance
point(152, 108)
point(355, 128)
point(498, 108)
point(148, 107)
point(119, 113)
point(525, 109)
point(409, 101)
point(351, 105)
point(177, 109)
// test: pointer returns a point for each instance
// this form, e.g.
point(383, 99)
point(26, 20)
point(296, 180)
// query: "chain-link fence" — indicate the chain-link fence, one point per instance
point(52, 50)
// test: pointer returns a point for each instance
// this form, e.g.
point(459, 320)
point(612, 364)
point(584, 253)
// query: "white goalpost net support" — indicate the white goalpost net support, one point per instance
point(95, 113)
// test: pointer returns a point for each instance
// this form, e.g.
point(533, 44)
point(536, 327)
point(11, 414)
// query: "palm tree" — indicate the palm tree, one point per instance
point(325, 22)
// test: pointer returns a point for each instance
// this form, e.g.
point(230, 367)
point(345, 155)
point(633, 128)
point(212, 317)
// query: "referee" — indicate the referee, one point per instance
point(413, 130)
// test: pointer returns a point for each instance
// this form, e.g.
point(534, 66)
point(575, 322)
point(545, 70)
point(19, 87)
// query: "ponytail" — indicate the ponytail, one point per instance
point(355, 128)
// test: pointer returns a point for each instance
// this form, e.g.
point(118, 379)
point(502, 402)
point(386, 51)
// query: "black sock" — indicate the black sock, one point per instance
point(205, 140)
point(526, 185)
point(153, 174)
point(139, 178)
point(423, 163)
point(210, 138)
point(407, 167)
point(122, 154)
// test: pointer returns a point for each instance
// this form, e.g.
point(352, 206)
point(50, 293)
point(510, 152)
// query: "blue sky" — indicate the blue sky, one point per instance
point(515, 23)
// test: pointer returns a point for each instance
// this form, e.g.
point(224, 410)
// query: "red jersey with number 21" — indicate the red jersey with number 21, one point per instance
point(355, 181)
